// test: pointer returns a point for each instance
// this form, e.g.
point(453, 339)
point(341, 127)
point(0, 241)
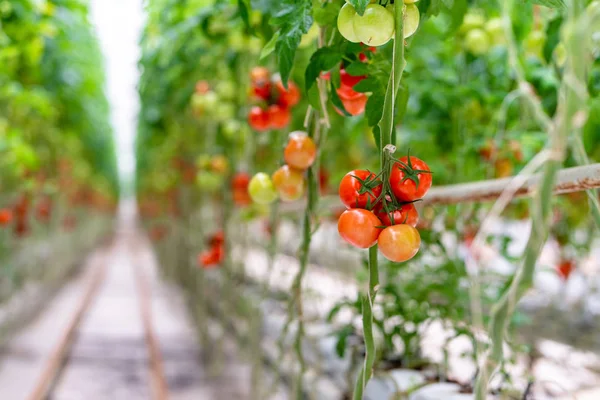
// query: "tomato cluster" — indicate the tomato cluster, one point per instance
point(377, 25)
point(380, 208)
point(275, 101)
point(288, 182)
point(214, 256)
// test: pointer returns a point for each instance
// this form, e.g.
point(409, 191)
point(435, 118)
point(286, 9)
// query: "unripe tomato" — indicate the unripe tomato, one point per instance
point(359, 227)
point(471, 21)
point(289, 183)
point(534, 43)
point(301, 151)
point(359, 189)
point(261, 189)
point(410, 1)
point(350, 80)
point(411, 20)
point(209, 181)
point(258, 119)
point(407, 214)
point(279, 117)
point(477, 42)
point(226, 90)
point(6, 216)
point(287, 97)
point(345, 23)
point(495, 29)
point(410, 179)
point(375, 27)
point(399, 243)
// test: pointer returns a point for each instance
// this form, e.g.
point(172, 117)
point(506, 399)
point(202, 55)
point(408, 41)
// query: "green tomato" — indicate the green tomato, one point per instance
point(209, 181)
point(345, 23)
point(231, 129)
point(375, 27)
point(261, 189)
point(224, 111)
point(534, 43)
point(471, 21)
point(477, 42)
point(411, 20)
point(225, 90)
point(495, 29)
point(410, 1)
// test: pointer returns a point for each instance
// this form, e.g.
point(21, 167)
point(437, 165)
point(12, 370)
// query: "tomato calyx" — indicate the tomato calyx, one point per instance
point(408, 170)
point(368, 185)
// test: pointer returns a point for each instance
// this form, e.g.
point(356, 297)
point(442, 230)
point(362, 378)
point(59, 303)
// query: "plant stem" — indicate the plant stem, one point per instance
point(386, 126)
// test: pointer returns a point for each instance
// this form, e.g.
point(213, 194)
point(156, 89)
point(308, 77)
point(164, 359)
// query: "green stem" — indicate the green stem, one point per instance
point(386, 126)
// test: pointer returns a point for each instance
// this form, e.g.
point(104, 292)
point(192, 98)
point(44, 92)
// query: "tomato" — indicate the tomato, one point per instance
point(359, 189)
point(301, 151)
point(494, 27)
point(219, 164)
point(359, 227)
point(347, 93)
point(258, 119)
point(261, 189)
point(363, 57)
point(411, 20)
point(287, 97)
point(6, 216)
point(202, 87)
point(406, 214)
point(410, 179)
point(350, 80)
point(399, 243)
point(279, 117)
point(375, 27)
point(240, 181)
point(355, 106)
point(289, 183)
point(503, 168)
point(241, 197)
point(564, 269)
point(211, 258)
point(323, 180)
point(471, 21)
point(260, 75)
point(216, 239)
point(262, 91)
point(477, 42)
point(209, 181)
point(345, 23)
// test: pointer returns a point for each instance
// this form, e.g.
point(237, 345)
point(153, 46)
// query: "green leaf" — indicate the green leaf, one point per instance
point(326, 14)
point(359, 5)
point(374, 108)
point(369, 85)
point(244, 8)
point(313, 97)
point(377, 136)
point(294, 18)
point(323, 59)
point(559, 4)
point(552, 37)
point(357, 68)
point(269, 47)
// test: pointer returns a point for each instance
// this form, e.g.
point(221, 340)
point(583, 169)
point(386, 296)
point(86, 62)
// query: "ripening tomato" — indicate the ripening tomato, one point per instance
point(219, 164)
point(241, 197)
point(301, 151)
point(261, 189)
point(279, 116)
point(359, 227)
point(202, 87)
point(6, 216)
point(350, 80)
point(260, 75)
point(406, 214)
point(258, 119)
point(289, 183)
point(503, 168)
point(287, 97)
point(399, 243)
point(410, 179)
point(360, 189)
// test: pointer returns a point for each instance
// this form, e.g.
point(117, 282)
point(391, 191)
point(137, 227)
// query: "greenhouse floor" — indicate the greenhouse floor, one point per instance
point(110, 357)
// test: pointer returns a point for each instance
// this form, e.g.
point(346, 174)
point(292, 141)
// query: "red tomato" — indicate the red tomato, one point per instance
point(301, 151)
point(6, 216)
point(410, 179)
point(407, 214)
point(262, 90)
point(347, 93)
point(211, 258)
point(258, 119)
point(323, 180)
point(354, 102)
point(564, 269)
point(260, 75)
point(350, 80)
point(399, 243)
point(216, 239)
point(359, 189)
point(289, 183)
point(287, 97)
point(279, 117)
point(240, 181)
point(359, 227)
point(363, 57)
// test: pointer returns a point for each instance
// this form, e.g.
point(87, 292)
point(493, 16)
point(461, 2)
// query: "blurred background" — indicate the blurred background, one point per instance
point(142, 256)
